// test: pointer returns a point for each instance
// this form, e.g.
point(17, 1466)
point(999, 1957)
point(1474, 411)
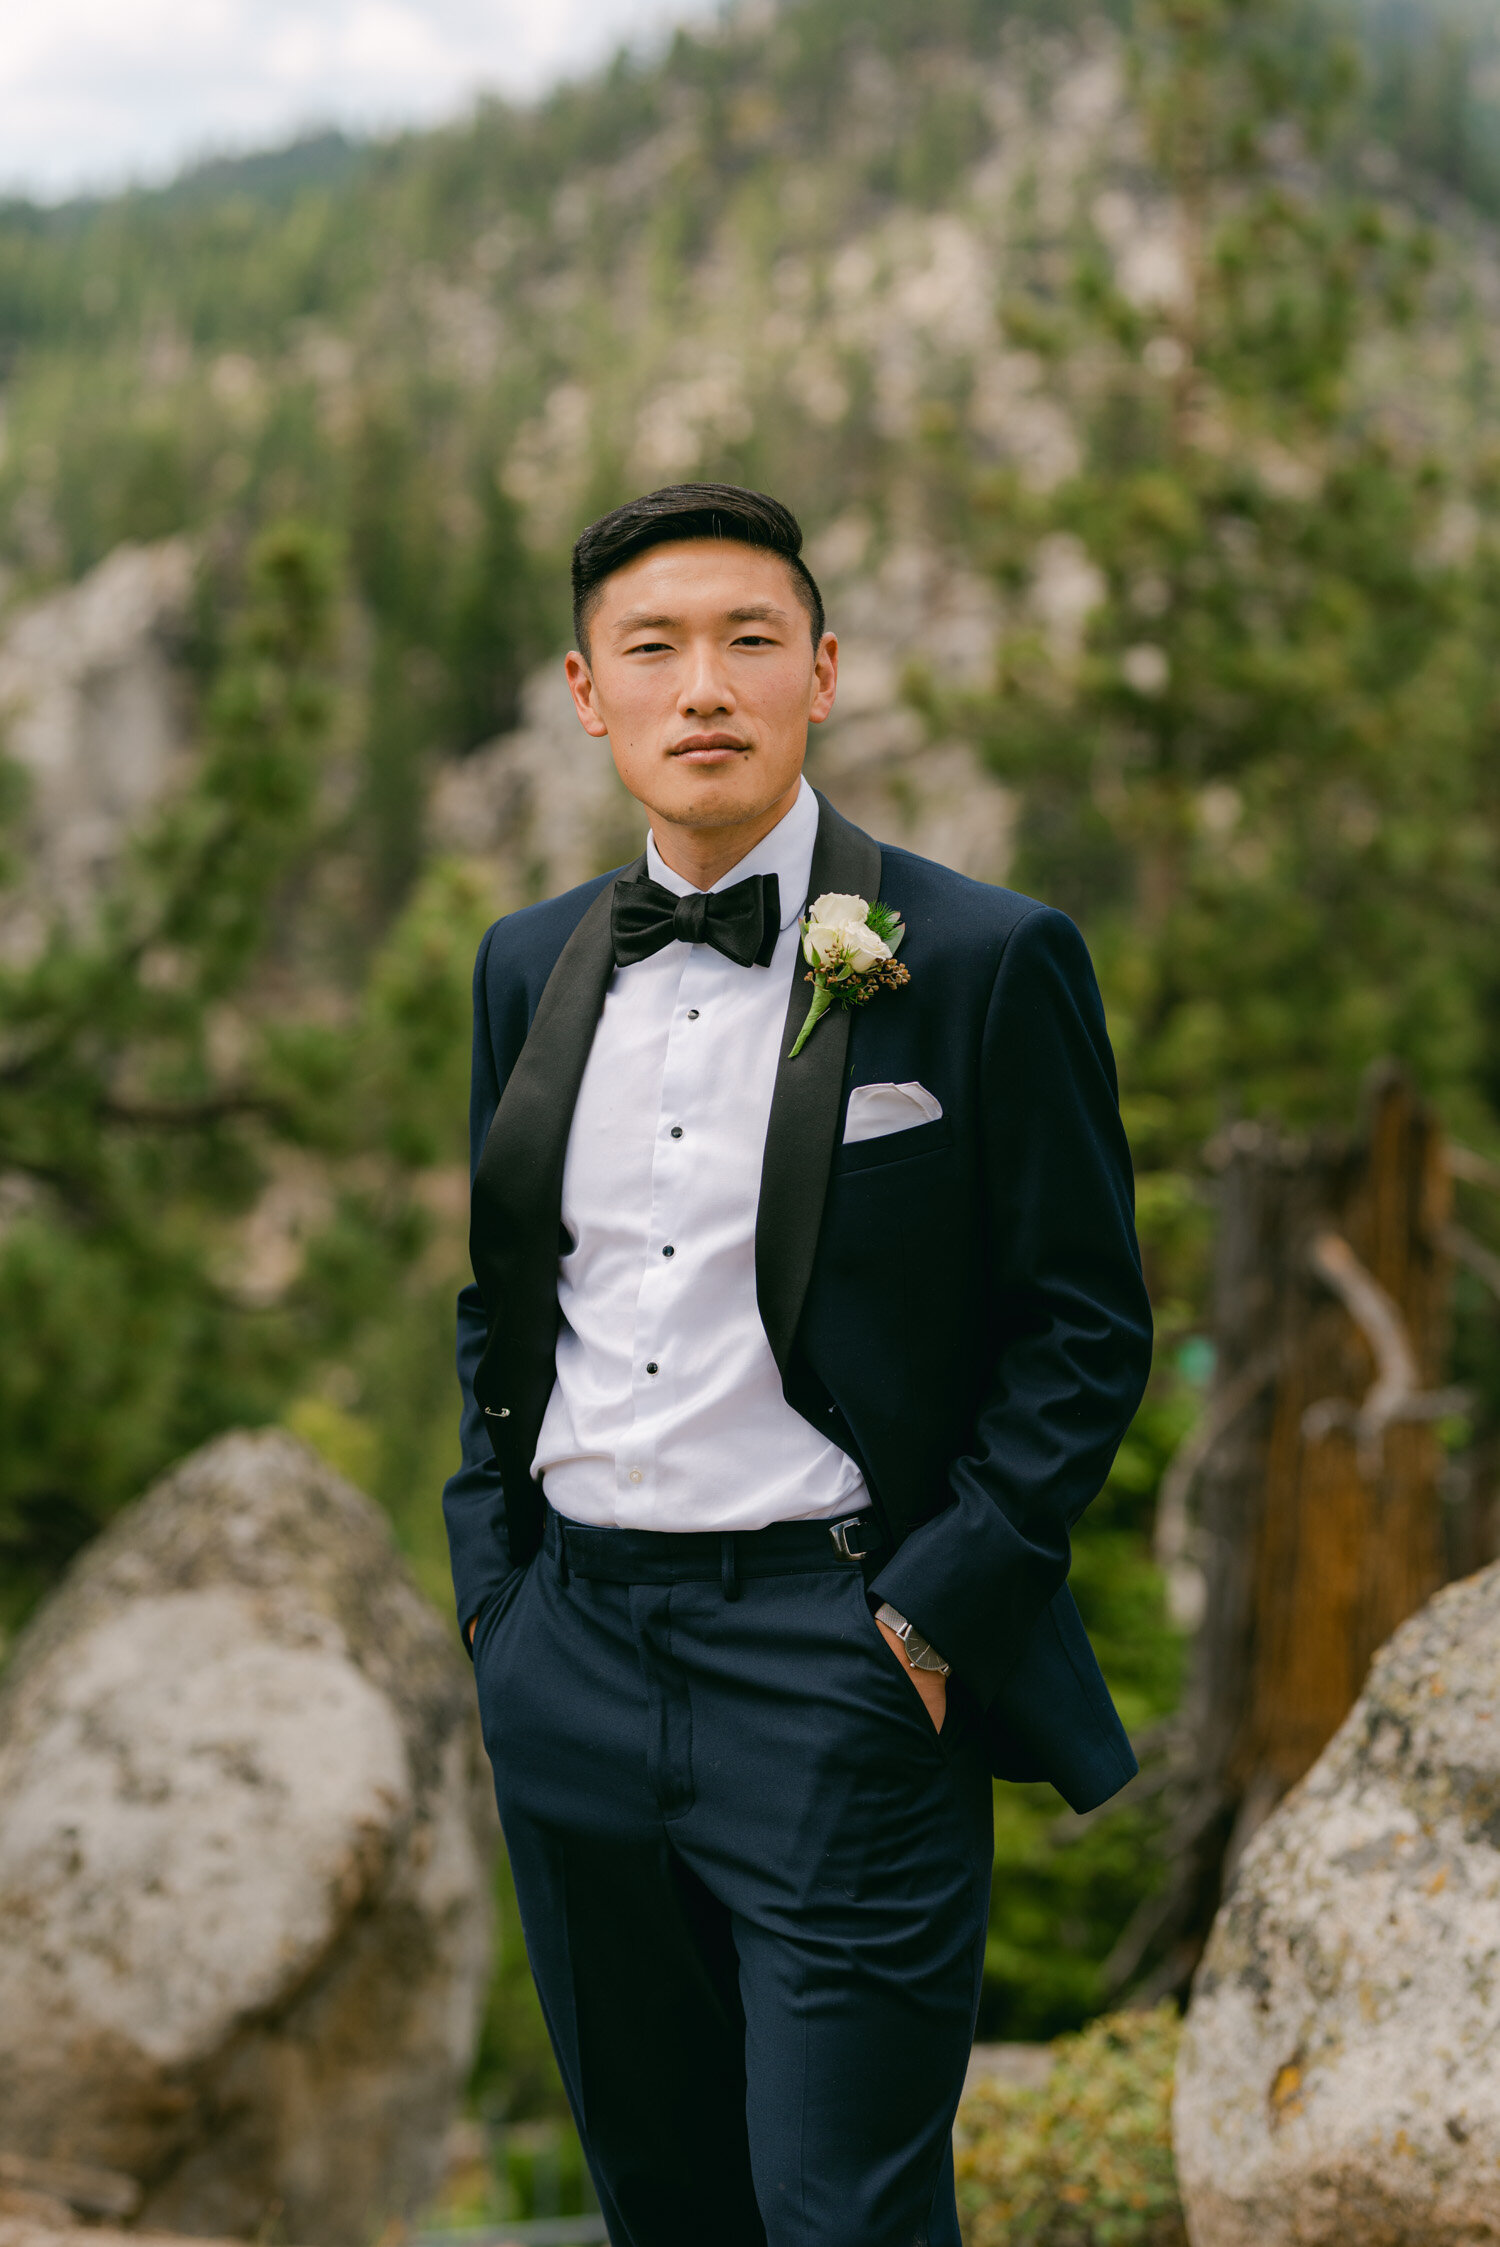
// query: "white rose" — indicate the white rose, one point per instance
point(839, 931)
point(865, 948)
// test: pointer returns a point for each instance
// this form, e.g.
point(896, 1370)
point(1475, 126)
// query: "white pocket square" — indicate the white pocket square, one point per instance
point(875, 1110)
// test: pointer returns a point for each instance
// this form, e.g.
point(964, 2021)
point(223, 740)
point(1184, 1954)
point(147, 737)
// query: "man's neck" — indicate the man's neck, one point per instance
point(704, 855)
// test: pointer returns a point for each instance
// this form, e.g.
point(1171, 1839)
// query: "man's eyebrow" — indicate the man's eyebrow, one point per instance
point(755, 612)
point(637, 620)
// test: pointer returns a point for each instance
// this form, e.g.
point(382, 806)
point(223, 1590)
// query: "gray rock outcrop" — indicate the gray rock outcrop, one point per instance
point(93, 707)
point(245, 1827)
point(1339, 2078)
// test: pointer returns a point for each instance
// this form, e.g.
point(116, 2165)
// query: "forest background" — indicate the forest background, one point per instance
point(1133, 370)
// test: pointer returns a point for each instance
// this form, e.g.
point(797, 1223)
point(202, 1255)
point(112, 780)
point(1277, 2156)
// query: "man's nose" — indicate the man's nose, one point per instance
point(706, 691)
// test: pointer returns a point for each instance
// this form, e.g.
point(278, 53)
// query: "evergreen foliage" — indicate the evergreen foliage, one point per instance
point(120, 1143)
point(1265, 779)
point(149, 1084)
point(1267, 785)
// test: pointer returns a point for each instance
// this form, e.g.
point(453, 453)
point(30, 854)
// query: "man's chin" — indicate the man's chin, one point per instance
point(717, 799)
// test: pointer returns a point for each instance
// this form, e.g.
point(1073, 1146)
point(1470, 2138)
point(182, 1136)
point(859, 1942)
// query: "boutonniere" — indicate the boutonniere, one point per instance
point(851, 948)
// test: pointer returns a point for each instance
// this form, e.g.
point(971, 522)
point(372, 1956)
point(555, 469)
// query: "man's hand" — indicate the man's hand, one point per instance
point(469, 1631)
point(931, 1684)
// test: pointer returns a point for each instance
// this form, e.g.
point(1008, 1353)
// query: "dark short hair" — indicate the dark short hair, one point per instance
point(681, 511)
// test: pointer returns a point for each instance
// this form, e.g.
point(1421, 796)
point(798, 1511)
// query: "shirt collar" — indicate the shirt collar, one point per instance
point(787, 852)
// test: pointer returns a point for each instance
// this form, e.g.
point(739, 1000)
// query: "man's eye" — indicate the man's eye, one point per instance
point(754, 640)
point(648, 647)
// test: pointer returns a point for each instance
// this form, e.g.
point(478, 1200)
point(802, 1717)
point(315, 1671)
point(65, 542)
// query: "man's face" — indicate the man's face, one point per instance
point(703, 674)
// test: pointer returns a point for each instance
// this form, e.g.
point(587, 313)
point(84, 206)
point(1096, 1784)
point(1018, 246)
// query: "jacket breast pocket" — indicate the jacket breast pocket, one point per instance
point(893, 1147)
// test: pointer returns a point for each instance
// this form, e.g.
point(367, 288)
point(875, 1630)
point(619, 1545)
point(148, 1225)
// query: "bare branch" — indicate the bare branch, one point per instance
point(1474, 1170)
point(1473, 1255)
point(1135, 1939)
point(187, 1115)
point(1378, 1317)
point(1394, 1394)
point(1194, 1451)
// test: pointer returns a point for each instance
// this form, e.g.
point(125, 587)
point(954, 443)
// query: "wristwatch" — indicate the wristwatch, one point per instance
point(920, 1652)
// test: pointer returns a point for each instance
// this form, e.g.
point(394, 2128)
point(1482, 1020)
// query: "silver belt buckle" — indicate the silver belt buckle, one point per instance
point(840, 1532)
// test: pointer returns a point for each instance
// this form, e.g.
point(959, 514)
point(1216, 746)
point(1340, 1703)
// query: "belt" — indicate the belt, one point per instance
point(712, 1556)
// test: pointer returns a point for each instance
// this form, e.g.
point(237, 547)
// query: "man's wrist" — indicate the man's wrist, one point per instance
point(920, 1652)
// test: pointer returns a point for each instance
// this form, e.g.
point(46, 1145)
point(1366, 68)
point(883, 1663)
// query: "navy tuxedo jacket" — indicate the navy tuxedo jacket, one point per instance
point(959, 1305)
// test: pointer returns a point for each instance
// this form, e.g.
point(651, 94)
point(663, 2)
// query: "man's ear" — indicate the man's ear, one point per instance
point(581, 687)
point(825, 679)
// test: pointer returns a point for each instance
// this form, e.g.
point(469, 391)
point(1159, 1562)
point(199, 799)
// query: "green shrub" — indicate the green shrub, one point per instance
point(1086, 2160)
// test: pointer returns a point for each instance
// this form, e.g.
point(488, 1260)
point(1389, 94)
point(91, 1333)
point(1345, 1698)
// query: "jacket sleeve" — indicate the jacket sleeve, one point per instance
point(1069, 1315)
point(473, 1498)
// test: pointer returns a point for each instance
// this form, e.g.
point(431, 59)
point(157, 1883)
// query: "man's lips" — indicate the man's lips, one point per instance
point(708, 748)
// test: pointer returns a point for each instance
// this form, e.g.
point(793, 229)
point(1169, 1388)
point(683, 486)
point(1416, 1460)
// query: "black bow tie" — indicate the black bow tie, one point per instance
point(743, 922)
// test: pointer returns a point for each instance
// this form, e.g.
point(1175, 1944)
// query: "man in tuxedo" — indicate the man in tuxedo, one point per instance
point(784, 1382)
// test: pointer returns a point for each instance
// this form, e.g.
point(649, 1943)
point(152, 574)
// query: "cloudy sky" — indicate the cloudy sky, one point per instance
point(97, 92)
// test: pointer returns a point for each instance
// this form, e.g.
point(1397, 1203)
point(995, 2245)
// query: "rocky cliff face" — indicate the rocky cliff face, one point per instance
point(93, 710)
point(812, 279)
point(245, 1826)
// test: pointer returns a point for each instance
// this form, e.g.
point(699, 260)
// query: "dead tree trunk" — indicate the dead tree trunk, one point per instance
point(1316, 1527)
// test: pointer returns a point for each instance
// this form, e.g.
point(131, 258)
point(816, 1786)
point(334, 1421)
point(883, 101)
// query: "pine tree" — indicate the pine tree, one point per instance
point(127, 1143)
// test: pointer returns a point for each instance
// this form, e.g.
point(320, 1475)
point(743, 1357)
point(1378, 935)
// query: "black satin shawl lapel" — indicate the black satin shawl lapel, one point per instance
point(805, 1104)
point(517, 1198)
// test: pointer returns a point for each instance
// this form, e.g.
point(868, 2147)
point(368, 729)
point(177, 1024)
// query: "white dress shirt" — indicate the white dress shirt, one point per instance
point(667, 1411)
